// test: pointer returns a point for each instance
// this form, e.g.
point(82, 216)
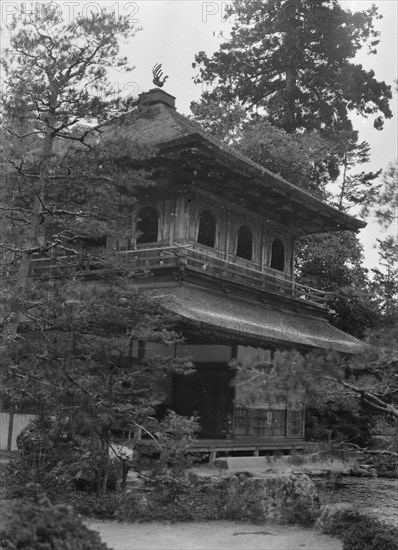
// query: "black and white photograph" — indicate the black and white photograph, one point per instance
point(199, 275)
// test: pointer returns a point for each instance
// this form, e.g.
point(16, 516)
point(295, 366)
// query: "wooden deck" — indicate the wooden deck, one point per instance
point(254, 446)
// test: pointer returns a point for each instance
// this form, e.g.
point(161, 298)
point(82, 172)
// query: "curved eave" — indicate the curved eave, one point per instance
point(322, 216)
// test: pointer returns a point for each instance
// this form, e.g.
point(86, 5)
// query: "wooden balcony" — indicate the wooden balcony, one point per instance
point(190, 257)
point(205, 261)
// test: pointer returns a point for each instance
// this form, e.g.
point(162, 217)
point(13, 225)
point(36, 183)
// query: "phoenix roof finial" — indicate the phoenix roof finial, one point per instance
point(158, 78)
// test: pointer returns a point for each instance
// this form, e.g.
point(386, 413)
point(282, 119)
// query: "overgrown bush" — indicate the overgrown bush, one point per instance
point(358, 531)
point(370, 534)
point(173, 497)
point(337, 422)
point(336, 520)
point(94, 506)
point(50, 457)
point(39, 525)
point(175, 436)
point(61, 463)
point(184, 497)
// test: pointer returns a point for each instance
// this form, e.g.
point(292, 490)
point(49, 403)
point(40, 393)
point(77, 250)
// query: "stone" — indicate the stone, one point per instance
point(220, 463)
point(242, 463)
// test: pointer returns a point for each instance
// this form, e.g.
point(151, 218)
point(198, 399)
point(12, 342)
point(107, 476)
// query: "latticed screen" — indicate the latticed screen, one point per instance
point(260, 422)
point(294, 423)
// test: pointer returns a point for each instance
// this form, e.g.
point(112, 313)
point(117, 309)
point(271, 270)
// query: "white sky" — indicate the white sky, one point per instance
point(174, 31)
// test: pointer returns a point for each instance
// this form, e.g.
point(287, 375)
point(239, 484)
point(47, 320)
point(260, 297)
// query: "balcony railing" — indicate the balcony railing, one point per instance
point(191, 257)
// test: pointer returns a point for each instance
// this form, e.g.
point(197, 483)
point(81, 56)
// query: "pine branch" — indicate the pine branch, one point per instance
point(369, 398)
point(384, 452)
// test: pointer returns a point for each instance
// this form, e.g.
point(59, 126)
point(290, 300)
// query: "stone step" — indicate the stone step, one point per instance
point(242, 463)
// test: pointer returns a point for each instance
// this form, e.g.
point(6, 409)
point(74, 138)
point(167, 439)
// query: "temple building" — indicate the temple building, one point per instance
point(217, 233)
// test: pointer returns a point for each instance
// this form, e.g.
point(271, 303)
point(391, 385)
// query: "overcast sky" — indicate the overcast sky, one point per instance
point(174, 31)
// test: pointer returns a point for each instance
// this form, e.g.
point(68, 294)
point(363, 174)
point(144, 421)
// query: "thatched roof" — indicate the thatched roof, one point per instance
point(174, 137)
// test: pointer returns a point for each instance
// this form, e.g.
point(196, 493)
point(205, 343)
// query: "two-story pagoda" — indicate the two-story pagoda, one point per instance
point(217, 233)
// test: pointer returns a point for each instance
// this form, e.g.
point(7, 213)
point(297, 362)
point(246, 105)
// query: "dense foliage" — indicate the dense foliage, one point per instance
point(80, 367)
point(36, 524)
point(56, 99)
point(185, 497)
point(283, 57)
point(358, 531)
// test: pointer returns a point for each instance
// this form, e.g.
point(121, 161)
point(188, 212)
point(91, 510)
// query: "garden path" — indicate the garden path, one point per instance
point(212, 535)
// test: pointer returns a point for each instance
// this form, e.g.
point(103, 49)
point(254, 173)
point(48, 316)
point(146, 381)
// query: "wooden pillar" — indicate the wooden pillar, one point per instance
point(181, 219)
point(293, 243)
point(286, 418)
point(10, 429)
point(226, 239)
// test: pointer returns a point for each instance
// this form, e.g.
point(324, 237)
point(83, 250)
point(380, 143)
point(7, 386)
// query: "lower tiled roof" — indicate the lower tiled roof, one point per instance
point(248, 321)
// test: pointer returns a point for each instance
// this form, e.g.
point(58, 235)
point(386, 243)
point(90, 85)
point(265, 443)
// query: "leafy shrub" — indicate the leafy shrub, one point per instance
point(337, 520)
point(57, 462)
point(185, 497)
point(370, 534)
point(94, 506)
point(38, 525)
point(339, 422)
point(358, 531)
point(175, 436)
point(172, 497)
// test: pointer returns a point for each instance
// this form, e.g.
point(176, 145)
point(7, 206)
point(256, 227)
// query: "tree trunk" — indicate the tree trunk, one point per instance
point(103, 470)
point(289, 109)
point(343, 184)
point(32, 241)
point(125, 471)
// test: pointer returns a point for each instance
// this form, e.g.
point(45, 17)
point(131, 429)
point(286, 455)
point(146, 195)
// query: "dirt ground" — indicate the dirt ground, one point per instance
point(212, 535)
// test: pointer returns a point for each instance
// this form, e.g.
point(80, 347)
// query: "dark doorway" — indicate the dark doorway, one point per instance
point(207, 229)
point(208, 393)
point(244, 248)
point(147, 226)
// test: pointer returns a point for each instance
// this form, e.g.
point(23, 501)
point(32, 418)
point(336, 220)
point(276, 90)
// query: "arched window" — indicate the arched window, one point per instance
point(244, 247)
point(278, 255)
point(207, 229)
point(147, 225)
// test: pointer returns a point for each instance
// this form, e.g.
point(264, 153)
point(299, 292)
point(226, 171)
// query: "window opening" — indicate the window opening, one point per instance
point(147, 225)
point(278, 255)
point(244, 248)
point(207, 229)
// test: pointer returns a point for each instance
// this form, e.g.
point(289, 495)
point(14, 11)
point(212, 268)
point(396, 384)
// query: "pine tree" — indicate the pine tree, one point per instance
point(294, 62)
point(55, 100)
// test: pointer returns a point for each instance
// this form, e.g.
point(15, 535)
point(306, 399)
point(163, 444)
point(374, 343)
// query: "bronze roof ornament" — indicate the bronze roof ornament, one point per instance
point(158, 78)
